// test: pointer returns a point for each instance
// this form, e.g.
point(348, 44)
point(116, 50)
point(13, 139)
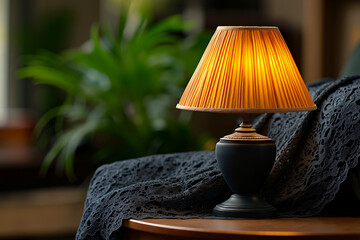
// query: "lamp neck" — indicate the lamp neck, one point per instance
point(245, 133)
point(245, 127)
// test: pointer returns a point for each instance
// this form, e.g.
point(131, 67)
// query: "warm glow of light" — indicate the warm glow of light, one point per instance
point(248, 70)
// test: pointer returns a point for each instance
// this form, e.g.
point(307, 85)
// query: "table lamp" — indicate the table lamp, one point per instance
point(246, 70)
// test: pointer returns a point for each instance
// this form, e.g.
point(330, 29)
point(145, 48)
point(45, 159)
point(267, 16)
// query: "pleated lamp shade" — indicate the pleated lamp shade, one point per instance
point(246, 70)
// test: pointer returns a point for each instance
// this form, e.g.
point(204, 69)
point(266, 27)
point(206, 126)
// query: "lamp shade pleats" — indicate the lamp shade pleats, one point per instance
point(246, 70)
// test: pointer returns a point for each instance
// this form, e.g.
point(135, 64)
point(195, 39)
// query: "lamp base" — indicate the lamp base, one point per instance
point(245, 207)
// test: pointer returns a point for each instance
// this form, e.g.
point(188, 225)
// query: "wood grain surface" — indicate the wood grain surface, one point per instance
point(281, 228)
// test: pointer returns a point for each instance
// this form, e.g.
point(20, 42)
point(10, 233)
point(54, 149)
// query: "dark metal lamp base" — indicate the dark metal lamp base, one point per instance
point(246, 207)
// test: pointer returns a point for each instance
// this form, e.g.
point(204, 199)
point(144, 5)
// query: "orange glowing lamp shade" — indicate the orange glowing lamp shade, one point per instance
point(246, 70)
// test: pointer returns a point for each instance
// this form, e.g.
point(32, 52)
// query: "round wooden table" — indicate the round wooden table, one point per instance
point(282, 228)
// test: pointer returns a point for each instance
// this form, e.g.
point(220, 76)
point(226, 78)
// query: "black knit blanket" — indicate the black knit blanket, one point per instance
point(315, 151)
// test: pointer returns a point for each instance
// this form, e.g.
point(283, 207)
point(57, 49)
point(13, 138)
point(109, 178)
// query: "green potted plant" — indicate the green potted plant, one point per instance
point(120, 93)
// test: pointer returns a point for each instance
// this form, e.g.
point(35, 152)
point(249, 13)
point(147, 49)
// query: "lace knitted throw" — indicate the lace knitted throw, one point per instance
point(315, 150)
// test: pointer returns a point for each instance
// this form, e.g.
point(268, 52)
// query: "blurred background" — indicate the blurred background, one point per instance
point(88, 82)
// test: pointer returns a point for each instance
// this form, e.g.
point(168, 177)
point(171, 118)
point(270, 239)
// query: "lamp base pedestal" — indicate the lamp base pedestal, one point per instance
point(245, 159)
point(245, 207)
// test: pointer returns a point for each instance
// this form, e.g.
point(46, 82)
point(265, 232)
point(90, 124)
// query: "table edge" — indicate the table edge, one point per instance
point(145, 226)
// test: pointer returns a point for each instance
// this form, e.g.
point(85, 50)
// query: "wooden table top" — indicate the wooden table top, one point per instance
point(280, 228)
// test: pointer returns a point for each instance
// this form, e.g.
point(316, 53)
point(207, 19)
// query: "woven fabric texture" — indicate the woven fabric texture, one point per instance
point(315, 151)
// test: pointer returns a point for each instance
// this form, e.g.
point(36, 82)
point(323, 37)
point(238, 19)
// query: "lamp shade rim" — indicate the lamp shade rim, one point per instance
point(247, 110)
point(247, 27)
